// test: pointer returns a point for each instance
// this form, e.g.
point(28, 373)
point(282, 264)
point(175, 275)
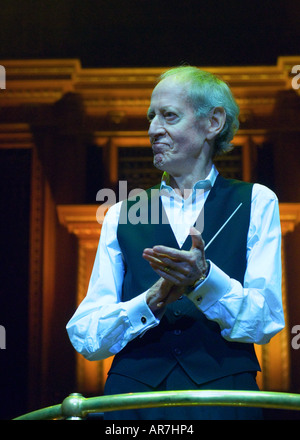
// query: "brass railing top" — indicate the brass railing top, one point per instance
point(75, 406)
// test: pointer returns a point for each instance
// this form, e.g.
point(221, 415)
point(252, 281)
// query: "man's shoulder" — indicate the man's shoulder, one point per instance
point(235, 183)
point(263, 191)
point(257, 190)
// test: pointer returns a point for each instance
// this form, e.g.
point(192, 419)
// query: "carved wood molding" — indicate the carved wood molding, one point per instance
point(15, 135)
point(290, 216)
point(35, 379)
point(66, 69)
point(105, 89)
point(81, 220)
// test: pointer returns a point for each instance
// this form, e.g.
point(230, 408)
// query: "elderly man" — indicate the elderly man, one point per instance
point(180, 308)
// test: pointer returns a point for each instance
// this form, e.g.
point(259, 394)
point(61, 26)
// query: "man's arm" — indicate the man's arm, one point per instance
point(103, 324)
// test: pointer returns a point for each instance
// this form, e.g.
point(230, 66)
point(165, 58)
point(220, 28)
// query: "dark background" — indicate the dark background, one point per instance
point(133, 33)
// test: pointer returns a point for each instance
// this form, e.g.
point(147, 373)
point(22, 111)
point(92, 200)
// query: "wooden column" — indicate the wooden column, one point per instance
point(82, 221)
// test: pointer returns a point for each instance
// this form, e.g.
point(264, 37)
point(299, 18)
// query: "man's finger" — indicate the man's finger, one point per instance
point(197, 241)
point(162, 272)
point(164, 251)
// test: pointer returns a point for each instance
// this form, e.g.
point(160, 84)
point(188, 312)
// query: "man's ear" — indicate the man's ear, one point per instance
point(217, 118)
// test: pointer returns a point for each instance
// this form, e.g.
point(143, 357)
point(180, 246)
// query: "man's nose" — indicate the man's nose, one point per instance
point(156, 128)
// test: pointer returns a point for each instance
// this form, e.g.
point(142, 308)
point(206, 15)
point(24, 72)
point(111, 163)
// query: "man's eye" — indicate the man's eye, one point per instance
point(170, 115)
point(150, 116)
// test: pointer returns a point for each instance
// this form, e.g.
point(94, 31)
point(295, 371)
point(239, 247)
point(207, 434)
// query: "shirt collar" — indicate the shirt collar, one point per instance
point(205, 184)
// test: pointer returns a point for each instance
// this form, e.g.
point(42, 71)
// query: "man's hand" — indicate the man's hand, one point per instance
point(176, 267)
point(162, 293)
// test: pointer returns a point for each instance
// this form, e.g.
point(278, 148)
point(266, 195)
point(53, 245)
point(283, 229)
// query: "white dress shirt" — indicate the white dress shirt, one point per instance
point(251, 313)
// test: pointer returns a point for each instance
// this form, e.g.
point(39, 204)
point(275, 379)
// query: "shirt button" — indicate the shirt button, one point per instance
point(177, 332)
point(199, 299)
point(177, 312)
point(143, 319)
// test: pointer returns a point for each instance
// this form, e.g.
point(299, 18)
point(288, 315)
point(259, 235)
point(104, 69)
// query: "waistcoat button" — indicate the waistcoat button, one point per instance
point(177, 351)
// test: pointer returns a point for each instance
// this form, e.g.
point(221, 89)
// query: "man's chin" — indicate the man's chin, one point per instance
point(158, 161)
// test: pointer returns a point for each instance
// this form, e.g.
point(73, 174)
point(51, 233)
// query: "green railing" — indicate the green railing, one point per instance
point(75, 406)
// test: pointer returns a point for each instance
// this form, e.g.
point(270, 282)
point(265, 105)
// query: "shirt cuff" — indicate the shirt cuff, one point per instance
point(140, 315)
point(215, 286)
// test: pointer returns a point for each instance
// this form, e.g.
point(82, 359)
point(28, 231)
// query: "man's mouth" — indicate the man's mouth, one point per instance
point(159, 147)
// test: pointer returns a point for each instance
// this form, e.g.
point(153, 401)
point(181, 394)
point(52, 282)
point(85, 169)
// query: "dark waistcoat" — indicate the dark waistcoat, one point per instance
point(185, 335)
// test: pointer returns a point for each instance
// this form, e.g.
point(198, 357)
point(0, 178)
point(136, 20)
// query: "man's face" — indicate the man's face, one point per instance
point(176, 135)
